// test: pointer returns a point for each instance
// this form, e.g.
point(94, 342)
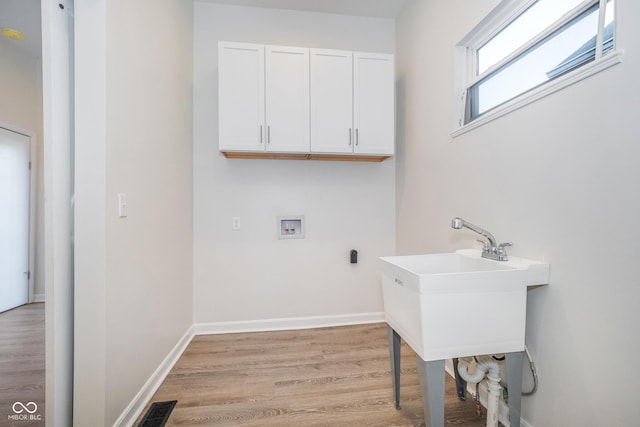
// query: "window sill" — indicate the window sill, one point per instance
point(609, 60)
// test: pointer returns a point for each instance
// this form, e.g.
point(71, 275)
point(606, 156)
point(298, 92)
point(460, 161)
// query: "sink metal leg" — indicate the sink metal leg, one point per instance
point(514, 384)
point(431, 375)
point(394, 348)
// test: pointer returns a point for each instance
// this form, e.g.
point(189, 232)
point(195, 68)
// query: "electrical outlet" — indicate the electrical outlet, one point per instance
point(235, 223)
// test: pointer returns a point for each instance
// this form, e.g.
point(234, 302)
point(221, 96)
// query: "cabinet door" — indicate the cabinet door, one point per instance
point(287, 99)
point(374, 105)
point(241, 97)
point(331, 101)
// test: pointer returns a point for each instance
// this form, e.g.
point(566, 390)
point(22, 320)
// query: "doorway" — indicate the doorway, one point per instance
point(14, 218)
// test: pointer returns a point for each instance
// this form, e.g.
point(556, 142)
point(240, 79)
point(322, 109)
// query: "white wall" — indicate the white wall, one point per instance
point(249, 275)
point(21, 86)
point(133, 275)
point(559, 178)
point(21, 106)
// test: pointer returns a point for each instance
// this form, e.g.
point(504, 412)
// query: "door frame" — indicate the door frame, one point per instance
point(57, 100)
point(32, 204)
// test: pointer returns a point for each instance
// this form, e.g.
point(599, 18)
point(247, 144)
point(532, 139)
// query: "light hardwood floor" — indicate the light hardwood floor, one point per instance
point(22, 363)
point(336, 376)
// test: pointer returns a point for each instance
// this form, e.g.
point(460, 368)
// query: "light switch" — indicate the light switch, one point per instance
point(122, 205)
point(235, 223)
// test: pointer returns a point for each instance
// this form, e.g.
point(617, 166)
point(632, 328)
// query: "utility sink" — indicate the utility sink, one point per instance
point(459, 304)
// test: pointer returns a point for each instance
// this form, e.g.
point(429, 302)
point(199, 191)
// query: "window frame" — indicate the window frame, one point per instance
point(499, 18)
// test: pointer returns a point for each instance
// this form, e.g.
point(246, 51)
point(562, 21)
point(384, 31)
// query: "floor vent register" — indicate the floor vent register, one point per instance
point(158, 414)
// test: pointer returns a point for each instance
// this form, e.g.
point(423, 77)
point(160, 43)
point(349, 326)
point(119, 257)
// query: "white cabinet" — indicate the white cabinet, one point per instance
point(331, 101)
point(373, 103)
point(263, 100)
point(291, 102)
point(352, 102)
point(287, 99)
point(241, 97)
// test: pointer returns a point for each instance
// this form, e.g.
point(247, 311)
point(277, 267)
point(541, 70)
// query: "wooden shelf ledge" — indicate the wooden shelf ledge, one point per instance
point(305, 156)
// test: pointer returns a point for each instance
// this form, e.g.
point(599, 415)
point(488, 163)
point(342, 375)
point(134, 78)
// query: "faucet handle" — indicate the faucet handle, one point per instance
point(485, 244)
point(502, 254)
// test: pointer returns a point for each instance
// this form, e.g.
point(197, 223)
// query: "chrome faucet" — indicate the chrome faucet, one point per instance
point(491, 250)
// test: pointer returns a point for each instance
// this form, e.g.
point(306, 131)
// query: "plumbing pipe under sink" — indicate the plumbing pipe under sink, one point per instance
point(492, 370)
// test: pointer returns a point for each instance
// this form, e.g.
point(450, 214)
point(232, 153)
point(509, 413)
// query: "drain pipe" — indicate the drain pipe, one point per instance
point(493, 386)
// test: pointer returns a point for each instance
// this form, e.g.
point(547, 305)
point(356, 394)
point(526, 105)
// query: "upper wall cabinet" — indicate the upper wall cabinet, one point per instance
point(332, 101)
point(241, 97)
point(287, 99)
point(263, 98)
point(373, 103)
point(352, 102)
point(290, 102)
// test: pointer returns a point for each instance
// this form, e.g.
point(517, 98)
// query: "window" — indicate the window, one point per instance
point(532, 52)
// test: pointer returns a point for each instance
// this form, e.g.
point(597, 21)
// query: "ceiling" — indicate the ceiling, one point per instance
point(374, 8)
point(23, 16)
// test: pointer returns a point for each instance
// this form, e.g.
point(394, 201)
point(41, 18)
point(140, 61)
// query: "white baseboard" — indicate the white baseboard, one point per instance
point(287, 323)
point(137, 405)
point(38, 298)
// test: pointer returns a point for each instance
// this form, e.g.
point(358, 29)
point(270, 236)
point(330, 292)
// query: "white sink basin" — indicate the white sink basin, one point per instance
point(459, 304)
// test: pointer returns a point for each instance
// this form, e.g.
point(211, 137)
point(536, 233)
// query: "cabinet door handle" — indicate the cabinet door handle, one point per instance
point(349, 136)
point(268, 134)
point(357, 137)
point(261, 134)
